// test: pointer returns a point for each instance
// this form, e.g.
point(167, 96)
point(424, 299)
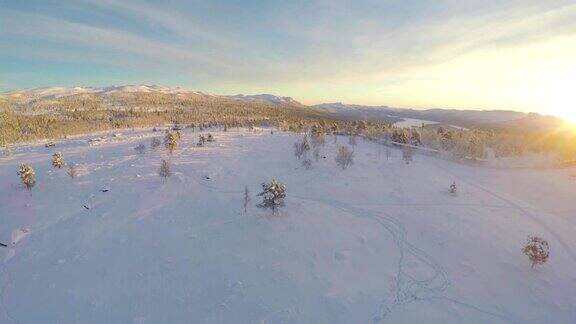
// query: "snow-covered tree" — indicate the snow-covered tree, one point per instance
point(57, 160)
point(27, 175)
point(537, 250)
point(273, 195)
point(345, 157)
point(170, 141)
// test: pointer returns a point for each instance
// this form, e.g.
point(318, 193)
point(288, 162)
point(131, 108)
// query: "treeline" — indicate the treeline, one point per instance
point(88, 113)
point(23, 121)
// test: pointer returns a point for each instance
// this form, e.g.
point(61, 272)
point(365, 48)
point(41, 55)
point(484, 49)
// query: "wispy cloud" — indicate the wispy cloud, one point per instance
point(350, 50)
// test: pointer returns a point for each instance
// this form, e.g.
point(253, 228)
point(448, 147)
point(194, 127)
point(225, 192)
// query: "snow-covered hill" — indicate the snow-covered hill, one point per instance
point(381, 241)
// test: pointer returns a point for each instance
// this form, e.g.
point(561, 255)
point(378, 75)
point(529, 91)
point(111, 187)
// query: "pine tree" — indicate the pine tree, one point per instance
point(537, 250)
point(27, 176)
point(273, 195)
point(58, 160)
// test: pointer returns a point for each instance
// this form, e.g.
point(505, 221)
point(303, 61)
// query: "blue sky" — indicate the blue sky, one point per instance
point(413, 53)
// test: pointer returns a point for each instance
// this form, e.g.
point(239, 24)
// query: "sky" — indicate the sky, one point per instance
point(477, 54)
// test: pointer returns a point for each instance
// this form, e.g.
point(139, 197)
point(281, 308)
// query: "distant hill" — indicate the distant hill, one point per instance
point(505, 119)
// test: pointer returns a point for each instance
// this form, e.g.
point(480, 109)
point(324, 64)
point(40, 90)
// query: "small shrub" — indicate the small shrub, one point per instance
point(537, 250)
point(452, 189)
point(27, 176)
point(345, 157)
point(165, 171)
point(209, 138)
point(141, 148)
point(57, 160)
point(201, 140)
point(155, 143)
point(307, 163)
point(273, 195)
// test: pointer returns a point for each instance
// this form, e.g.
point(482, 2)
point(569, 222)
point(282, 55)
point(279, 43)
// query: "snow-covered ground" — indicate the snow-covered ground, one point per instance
point(381, 241)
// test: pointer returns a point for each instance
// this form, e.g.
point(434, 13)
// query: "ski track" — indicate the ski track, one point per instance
point(518, 207)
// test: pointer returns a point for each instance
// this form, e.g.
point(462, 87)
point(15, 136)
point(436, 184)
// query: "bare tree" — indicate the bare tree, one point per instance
point(57, 160)
point(318, 138)
point(165, 170)
point(537, 250)
point(388, 153)
point(317, 154)
point(352, 140)
point(273, 195)
point(246, 198)
point(345, 157)
point(301, 147)
point(27, 175)
point(408, 154)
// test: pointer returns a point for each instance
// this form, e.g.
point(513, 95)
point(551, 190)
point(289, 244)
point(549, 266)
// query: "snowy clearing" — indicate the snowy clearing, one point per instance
point(380, 241)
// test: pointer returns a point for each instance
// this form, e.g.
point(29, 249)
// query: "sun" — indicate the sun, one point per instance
point(557, 98)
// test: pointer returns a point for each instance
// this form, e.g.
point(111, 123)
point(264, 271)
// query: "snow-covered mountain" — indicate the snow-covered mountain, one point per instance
point(47, 93)
point(28, 95)
point(266, 98)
